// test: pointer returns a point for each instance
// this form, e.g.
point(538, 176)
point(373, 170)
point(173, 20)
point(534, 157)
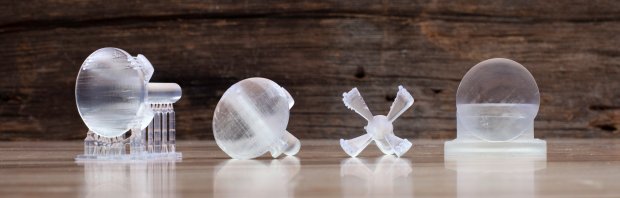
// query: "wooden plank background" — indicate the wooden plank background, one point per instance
point(316, 50)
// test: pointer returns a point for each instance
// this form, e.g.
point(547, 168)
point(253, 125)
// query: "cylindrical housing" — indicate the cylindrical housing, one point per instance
point(163, 93)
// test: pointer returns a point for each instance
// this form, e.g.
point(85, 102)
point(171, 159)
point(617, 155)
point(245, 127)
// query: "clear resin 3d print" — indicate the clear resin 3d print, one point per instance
point(496, 104)
point(114, 97)
point(251, 118)
point(379, 128)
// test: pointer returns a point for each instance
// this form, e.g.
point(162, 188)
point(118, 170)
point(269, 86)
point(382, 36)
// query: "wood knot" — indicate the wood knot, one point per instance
point(360, 73)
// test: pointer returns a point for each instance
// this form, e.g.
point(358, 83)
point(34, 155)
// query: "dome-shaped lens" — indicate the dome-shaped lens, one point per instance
point(110, 92)
point(251, 116)
point(497, 100)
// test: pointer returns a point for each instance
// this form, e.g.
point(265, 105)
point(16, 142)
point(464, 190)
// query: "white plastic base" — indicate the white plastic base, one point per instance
point(136, 157)
point(534, 147)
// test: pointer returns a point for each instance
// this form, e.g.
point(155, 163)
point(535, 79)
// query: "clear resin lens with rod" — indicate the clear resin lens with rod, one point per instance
point(114, 97)
point(251, 118)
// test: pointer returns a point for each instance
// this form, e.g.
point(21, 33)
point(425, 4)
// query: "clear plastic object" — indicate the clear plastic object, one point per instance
point(114, 97)
point(379, 128)
point(496, 104)
point(251, 118)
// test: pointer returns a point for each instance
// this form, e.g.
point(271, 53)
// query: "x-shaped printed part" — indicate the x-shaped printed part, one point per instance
point(379, 128)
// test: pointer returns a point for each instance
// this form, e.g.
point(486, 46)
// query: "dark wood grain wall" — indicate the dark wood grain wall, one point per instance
point(316, 50)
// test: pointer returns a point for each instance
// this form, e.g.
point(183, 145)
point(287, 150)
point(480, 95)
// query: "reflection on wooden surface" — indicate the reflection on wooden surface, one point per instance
point(386, 176)
point(129, 179)
point(574, 168)
point(253, 178)
point(484, 175)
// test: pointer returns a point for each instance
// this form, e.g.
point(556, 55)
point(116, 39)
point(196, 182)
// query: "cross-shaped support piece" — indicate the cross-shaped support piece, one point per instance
point(379, 128)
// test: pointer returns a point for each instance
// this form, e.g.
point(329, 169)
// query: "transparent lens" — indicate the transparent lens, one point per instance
point(251, 118)
point(110, 91)
point(497, 100)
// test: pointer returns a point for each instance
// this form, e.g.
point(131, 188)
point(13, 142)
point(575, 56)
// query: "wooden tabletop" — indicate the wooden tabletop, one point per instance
point(572, 168)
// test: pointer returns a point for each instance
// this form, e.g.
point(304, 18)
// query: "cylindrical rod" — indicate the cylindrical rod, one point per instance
point(163, 93)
